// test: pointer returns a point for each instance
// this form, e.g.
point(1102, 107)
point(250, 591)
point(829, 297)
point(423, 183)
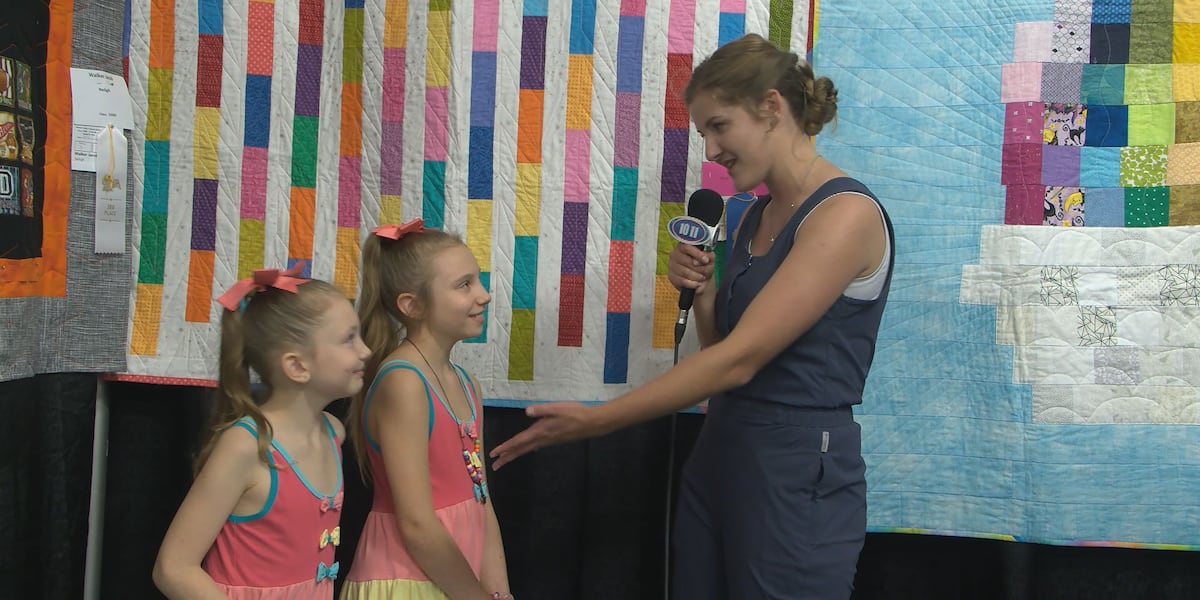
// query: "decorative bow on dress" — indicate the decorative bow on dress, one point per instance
point(333, 536)
point(327, 572)
point(334, 503)
point(262, 279)
point(395, 232)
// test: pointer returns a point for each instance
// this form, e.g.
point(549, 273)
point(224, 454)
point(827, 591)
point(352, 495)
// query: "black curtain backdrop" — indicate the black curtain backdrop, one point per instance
point(45, 484)
point(581, 522)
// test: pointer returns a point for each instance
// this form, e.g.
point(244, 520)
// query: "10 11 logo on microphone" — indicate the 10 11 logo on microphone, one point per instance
point(690, 230)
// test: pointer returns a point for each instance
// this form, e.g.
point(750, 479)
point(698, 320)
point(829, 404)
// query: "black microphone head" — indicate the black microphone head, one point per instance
point(706, 205)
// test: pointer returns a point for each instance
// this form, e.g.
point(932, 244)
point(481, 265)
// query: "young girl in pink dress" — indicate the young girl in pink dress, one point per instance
point(261, 519)
point(431, 533)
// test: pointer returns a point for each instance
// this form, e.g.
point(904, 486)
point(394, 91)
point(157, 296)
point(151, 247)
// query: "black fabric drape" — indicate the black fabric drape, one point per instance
point(45, 484)
point(581, 522)
point(154, 434)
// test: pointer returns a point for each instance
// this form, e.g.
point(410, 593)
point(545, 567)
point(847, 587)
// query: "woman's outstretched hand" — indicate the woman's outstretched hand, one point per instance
point(556, 423)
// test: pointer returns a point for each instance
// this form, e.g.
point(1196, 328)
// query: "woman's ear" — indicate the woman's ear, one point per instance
point(772, 108)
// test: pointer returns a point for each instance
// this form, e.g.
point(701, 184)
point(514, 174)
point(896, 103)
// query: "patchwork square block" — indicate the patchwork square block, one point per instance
point(1063, 124)
point(1031, 41)
point(1105, 207)
point(1152, 11)
point(1100, 167)
point(1187, 122)
point(1023, 204)
point(1020, 82)
point(1147, 84)
point(1023, 122)
point(1064, 207)
point(1183, 164)
point(1117, 365)
point(1110, 43)
point(1103, 84)
point(1021, 164)
point(1143, 166)
point(1185, 205)
point(1147, 206)
point(1149, 43)
point(1061, 82)
point(1060, 165)
point(1107, 125)
point(1073, 12)
point(1071, 42)
point(1151, 124)
point(1187, 11)
point(1185, 82)
point(1186, 43)
point(1111, 11)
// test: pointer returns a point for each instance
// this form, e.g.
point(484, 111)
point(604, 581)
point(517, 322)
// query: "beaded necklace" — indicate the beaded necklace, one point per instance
point(466, 431)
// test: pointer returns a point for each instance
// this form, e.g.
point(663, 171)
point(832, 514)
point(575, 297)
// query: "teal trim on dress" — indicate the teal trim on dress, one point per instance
point(383, 370)
point(469, 390)
point(248, 424)
point(300, 474)
point(473, 394)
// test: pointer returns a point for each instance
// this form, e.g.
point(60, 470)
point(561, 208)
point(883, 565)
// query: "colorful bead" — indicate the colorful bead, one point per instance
point(475, 465)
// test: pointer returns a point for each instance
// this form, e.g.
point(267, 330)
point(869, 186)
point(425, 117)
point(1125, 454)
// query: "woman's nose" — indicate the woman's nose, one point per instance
point(711, 149)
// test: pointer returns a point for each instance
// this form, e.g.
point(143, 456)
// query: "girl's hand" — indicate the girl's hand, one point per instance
point(557, 423)
point(690, 267)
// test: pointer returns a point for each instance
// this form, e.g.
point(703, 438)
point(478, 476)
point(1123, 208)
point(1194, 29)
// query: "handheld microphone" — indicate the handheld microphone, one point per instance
point(699, 228)
point(705, 208)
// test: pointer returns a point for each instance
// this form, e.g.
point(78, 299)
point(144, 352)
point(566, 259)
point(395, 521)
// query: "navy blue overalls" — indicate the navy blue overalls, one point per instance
point(773, 497)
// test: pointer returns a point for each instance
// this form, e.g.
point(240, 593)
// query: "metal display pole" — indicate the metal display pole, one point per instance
point(95, 538)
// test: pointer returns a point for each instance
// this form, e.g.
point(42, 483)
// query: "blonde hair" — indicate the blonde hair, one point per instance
point(270, 323)
point(389, 268)
point(744, 70)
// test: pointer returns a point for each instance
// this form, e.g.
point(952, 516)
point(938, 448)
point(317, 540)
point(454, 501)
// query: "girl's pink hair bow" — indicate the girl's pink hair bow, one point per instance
point(288, 280)
point(395, 232)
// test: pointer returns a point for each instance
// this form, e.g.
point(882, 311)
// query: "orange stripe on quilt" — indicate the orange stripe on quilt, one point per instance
point(300, 226)
point(199, 290)
point(162, 34)
point(351, 134)
point(529, 127)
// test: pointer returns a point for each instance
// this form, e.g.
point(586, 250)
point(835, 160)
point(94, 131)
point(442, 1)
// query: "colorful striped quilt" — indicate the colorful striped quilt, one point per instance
point(1035, 377)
